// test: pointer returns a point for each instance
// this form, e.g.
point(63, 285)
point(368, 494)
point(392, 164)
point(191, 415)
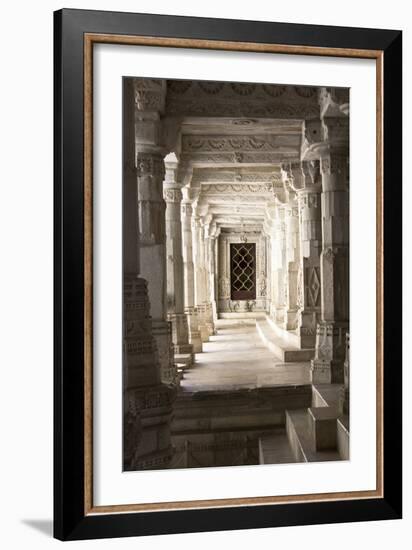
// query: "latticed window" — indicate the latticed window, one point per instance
point(243, 271)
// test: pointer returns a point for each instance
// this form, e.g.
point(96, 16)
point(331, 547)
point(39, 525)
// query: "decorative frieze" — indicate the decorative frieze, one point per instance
point(196, 143)
point(222, 175)
point(232, 188)
point(226, 89)
point(242, 157)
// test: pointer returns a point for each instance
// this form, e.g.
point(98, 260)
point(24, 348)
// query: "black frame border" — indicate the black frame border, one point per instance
point(70, 521)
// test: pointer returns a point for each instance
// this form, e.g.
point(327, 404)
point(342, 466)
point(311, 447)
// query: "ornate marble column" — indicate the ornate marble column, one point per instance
point(327, 139)
point(334, 261)
point(292, 272)
point(198, 250)
point(150, 151)
point(307, 184)
point(175, 284)
point(214, 275)
point(265, 287)
point(210, 271)
point(147, 402)
point(278, 265)
point(189, 290)
point(223, 286)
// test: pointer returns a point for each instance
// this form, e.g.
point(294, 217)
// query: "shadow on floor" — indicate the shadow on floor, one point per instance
point(44, 526)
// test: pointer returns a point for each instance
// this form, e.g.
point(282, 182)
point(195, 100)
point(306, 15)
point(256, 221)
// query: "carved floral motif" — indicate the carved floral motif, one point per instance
point(211, 88)
point(243, 89)
point(172, 195)
point(305, 91)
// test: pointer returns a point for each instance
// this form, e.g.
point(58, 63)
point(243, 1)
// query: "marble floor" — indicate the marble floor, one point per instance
point(237, 358)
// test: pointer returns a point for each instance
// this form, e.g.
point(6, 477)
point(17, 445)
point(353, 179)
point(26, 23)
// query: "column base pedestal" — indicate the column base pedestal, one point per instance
point(184, 360)
point(204, 330)
point(162, 332)
point(307, 329)
point(323, 371)
point(146, 436)
point(210, 325)
point(193, 329)
point(328, 365)
point(290, 319)
point(204, 333)
point(183, 349)
point(196, 341)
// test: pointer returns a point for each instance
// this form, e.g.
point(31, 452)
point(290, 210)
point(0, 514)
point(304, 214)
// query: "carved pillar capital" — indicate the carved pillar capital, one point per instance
point(150, 173)
point(172, 195)
point(335, 170)
point(335, 131)
point(149, 102)
point(149, 94)
point(186, 209)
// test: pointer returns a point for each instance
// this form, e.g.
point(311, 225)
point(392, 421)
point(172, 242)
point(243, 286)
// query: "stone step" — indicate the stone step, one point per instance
point(343, 437)
point(275, 449)
point(300, 439)
point(326, 395)
point(323, 427)
point(184, 359)
point(240, 316)
point(286, 352)
point(257, 408)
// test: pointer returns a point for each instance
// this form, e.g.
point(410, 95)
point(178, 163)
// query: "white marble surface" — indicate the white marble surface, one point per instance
point(237, 358)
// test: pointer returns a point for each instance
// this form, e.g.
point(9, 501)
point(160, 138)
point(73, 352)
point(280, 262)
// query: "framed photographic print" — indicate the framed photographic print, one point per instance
point(227, 274)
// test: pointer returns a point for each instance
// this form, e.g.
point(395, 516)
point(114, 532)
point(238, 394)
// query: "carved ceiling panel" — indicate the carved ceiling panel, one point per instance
point(237, 99)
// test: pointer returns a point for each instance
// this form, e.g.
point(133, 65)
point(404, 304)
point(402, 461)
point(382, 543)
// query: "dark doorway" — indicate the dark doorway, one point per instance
point(243, 271)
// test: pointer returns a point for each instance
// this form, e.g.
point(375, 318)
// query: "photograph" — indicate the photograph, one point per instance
point(235, 273)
